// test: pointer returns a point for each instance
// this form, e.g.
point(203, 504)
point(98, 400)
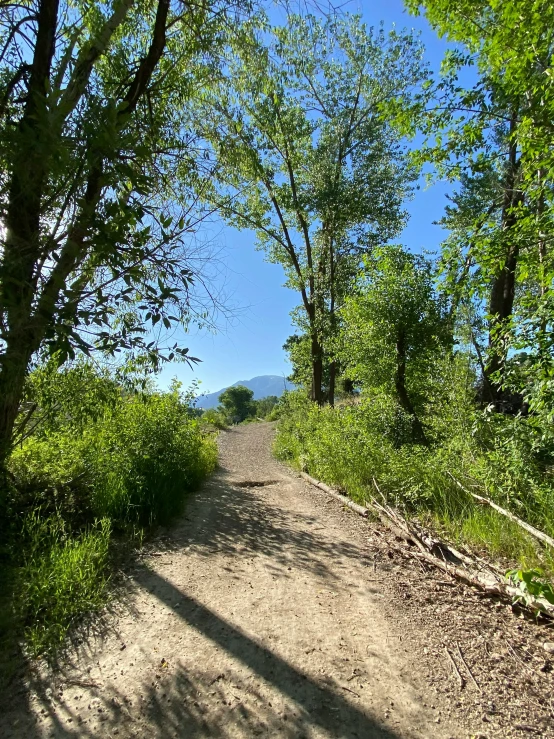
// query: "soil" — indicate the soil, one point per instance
point(272, 610)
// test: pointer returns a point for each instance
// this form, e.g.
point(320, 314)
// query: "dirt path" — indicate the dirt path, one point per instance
point(257, 616)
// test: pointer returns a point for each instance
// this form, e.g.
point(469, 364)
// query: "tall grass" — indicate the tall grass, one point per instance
point(351, 445)
point(62, 578)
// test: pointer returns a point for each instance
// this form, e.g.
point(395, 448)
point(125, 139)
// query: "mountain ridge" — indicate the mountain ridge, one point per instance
point(262, 386)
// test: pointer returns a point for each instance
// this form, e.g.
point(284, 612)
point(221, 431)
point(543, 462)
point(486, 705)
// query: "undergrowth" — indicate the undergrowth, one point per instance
point(63, 577)
point(102, 466)
point(352, 445)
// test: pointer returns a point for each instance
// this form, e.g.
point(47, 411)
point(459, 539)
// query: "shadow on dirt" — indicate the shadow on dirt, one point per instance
point(187, 701)
point(237, 522)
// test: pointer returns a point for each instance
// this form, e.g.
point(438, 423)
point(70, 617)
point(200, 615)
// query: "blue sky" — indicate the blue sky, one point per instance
point(249, 343)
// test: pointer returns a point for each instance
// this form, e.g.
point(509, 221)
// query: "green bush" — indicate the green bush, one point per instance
point(100, 461)
point(275, 414)
point(145, 456)
point(349, 446)
point(213, 417)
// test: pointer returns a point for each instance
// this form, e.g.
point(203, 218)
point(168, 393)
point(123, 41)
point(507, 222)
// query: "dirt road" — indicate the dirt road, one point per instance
point(260, 614)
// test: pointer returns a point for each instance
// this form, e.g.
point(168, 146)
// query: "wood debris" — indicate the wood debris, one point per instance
point(415, 543)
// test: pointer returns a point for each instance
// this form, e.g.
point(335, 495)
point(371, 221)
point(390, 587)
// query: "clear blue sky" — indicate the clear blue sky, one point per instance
point(250, 344)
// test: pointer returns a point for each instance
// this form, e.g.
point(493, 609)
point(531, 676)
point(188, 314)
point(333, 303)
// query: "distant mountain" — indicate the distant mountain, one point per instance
point(262, 386)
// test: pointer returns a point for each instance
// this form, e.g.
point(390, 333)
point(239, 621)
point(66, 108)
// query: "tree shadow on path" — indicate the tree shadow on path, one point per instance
point(317, 704)
point(190, 701)
point(237, 522)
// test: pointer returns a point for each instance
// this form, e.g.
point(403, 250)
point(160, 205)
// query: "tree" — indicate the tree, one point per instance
point(499, 130)
point(306, 158)
point(392, 325)
point(264, 406)
point(95, 216)
point(236, 403)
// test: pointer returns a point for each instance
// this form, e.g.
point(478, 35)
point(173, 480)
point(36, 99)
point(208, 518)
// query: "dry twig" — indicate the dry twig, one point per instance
point(469, 672)
point(460, 678)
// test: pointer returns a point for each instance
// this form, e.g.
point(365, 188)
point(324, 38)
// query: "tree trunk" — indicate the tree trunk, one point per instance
point(400, 386)
point(12, 382)
point(317, 371)
point(332, 382)
point(22, 245)
point(503, 287)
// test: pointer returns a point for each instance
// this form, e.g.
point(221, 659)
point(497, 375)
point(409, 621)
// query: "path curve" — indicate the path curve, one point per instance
point(261, 615)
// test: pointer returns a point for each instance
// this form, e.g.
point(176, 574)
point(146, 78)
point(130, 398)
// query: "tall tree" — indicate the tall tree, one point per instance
point(236, 403)
point(92, 146)
point(500, 129)
point(306, 157)
point(393, 325)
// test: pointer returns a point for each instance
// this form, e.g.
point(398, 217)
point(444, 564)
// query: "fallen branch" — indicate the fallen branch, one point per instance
point(361, 510)
point(483, 577)
point(486, 586)
point(393, 520)
point(524, 525)
point(459, 573)
point(424, 541)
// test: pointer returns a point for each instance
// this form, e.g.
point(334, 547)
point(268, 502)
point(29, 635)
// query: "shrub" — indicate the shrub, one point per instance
point(113, 461)
point(145, 456)
point(349, 446)
point(213, 417)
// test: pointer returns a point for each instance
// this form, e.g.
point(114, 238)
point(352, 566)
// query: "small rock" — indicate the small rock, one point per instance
point(548, 646)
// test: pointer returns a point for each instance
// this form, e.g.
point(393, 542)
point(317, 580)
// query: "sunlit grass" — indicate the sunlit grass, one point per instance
point(346, 448)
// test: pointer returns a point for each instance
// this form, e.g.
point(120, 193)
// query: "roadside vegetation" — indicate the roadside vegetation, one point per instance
point(98, 466)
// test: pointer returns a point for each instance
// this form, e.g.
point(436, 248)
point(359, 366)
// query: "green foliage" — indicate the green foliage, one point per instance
point(530, 583)
point(144, 459)
point(393, 315)
point(264, 407)
point(100, 462)
point(275, 414)
point(213, 417)
point(71, 397)
point(494, 140)
point(350, 445)
point(236, 403)
point(132, 462)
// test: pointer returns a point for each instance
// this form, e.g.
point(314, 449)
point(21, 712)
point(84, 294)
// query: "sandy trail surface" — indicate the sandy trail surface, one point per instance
point(260, 614)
